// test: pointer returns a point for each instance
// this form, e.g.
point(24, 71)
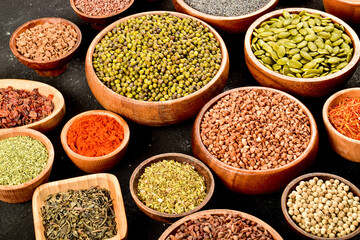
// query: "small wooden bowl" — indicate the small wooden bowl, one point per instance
point(292, 185)
point(103, 180)
point(179, 157)
point(173, 228)
point(254, 181)
point(347, 10)
point(53, 120)
point(309, 87)
point(24, 192)
point(99, 22)
point(346, 147)
point(102, 163)
point(234, 24)
point(50, 68)
point(156, 113)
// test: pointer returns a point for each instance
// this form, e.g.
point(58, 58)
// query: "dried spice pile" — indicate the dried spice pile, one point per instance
point(21, 107)
point(46, 42)
point(225, 226)
point(255, 129)
point(101, 7)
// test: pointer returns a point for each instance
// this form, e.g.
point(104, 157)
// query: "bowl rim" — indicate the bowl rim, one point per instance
point(45, 141)
point(19, 30)
point(118, 118)
point(165, 156)
point(353, 3)
point(99, 36)
point(350, 32)
point(308, 176)
point(208, 105)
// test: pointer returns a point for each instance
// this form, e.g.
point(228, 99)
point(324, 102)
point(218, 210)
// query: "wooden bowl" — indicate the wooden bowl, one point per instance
point(156, 113)
point(234, 24)
point(179, 157)
point(254, 181)
point(346, 147)
point(99, 22)
point(347, 10)
point(50, 68)
point(102, 163)
point(53, 120)
point(292, 185)
point(24, 192)
point(309, 87)
point(172, 229)
point(103, 180)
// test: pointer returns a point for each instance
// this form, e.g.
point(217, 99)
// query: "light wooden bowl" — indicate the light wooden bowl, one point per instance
point(24, 192)
point(99, 22)
point(156, 113)
point(103, 180)
point(102, 163)
point(346, 147)
point(255, 181)
point(292, 185)
point(53, 120)
point(183, 158)
point(49, 68)
point(310, 87)
point(234, 24)
point(172, 229)
point(347, 10)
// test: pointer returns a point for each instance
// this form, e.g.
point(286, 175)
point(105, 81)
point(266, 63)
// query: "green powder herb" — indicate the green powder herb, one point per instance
point(171, 187)
point(22, 158)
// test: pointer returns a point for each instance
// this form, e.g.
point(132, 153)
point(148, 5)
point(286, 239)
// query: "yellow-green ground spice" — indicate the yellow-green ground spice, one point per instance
point(171, 187)
point(22, 158)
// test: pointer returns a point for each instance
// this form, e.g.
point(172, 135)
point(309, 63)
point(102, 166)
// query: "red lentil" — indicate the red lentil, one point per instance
point(101, 7)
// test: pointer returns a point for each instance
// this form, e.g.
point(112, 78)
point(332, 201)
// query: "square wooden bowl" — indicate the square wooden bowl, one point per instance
point(103, 180)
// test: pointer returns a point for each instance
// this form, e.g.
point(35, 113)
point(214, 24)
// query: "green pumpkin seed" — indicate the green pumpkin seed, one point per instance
point(338, 42)
point(310, 65)
point(298, 38)
point(349, 57)
point(324, 35)
point(346, 38)
point(345, 46)
point(279, 30)
point(286, 14)
point(311, 75)
point(302, 31)
point(267, 47)
point(328, 48)
point(283, 61)
point(293, 32)
point(336, 50)
point(267, 60)
point(294, 51)
point(294, 64)
point(299, 25)
point(320, 43)
point(283, 34)
point(276, 67)
point(302, 44)
point(268, 66)
point(322, 51)
point(311, 37)
point(334, 37)
point(313, 54)
point(312, 46)
point(274, 55)
point(295, 70)
point(259, 52)
point(342, 65)
point(281, 51)
point(333, 60)
point(296, 57)
point(289, 45)
point(305, 55)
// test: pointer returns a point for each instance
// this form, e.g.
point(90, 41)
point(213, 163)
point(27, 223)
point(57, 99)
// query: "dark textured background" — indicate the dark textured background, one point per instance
point(16, 219)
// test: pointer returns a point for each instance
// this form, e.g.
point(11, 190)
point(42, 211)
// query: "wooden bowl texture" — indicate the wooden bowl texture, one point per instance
point(292, 185)
point(24, 192)
point(156, 113)
point(309, 87)
point(179, 157)
point(99, 22)
point(234, 24)
point(49, 68)
point(254, 182)
point(102, 163)
point(347, 10)
point(103, 180)
point(172, 229)
point(53, 120)
point(346, 147)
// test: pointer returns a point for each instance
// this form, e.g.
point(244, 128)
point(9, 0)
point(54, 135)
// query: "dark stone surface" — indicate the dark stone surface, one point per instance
point(16, 220)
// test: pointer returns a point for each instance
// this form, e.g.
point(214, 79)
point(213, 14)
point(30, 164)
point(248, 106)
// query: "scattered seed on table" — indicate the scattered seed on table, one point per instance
point(101, 7)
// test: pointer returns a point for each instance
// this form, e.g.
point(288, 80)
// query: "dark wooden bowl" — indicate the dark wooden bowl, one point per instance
point(179, 157)
point(172, 229)
point(347, 10)
point(309, 87)
point(49, 68)
point(156, 113)
point(234, 24)
point(292, 185)
point(255, 181)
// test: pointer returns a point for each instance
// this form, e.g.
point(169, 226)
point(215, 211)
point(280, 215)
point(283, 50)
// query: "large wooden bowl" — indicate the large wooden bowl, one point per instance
point(51, 121)
point(102, 163)
point(183, 158)
point(50, 68)
point(103, 180)
point(156, 113)
point(309, 87)
point(172, 229)
point(234, 24)
point(346, 147)
point(24, 192)
point(347, 10)
point(255, 181)
point(293, 184)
